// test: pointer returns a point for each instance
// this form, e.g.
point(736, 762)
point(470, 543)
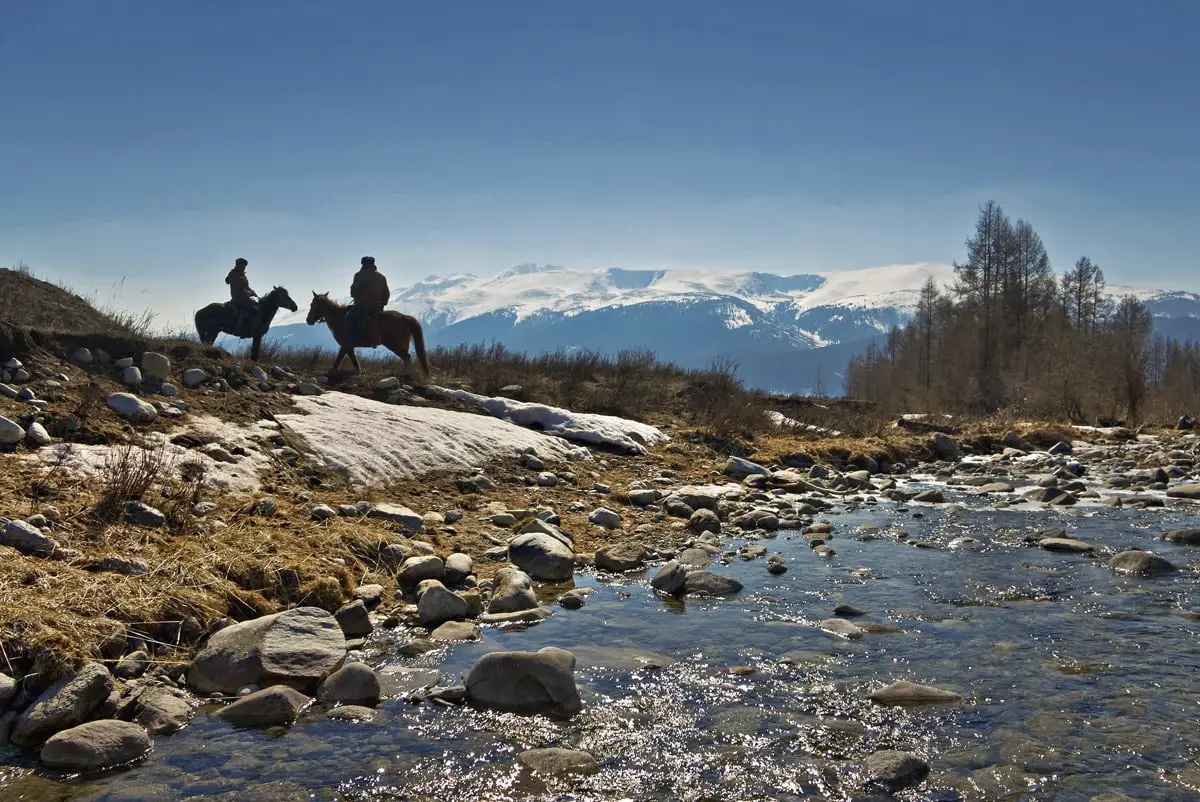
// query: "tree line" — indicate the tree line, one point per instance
point(1010, 334)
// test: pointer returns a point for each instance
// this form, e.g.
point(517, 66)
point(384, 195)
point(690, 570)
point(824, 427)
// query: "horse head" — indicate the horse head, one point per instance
point(318, 308)
point(281, 297)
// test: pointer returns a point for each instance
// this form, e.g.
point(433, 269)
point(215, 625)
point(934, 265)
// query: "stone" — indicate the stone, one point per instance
point(308, 388)
point(995, 487)
point(930, 497)
point(740, 468)
point(1014, 440)
point(558, 762)
point(270, 707)
point(387, 384)
point(439, 604)
point(94, 746)
point(706, 583)
point(894, 770)
point(670, 578)
point(399, 515)
point(143, 514)
point(8, 690)
point(1190, 492)
point(156, 366)
point(415, 570)
point(1051, 495)
point(1060, 449)
point(27, 539)
point(1185, 537)
point(37, 435)
point(354, 619)
point(351, 713)
point(621, 558)
point(131, 376)
point(946, 447)
point(605, 518)
point(352, 684)
point(842, 628)
point(547, 479)
point(456, 631)
point(132, 665)
point(704, 520)
point(83, 356)
point(644, 497)
point(458, 568)
point(65, 704)
point(1141, 563)
point(161, 710)
point(370, 594)
point(527, 683)
point(848, 611)
point(132, 407)
point(1066, 544)
point(123, 363)
point(298, 646)
point(542, 556)
point(322, 512)
point(912, 693)
point(542, 527)
point(194, 377)
point(10, 432)
point(695, 558)
point(504, 520)
point(512, 591)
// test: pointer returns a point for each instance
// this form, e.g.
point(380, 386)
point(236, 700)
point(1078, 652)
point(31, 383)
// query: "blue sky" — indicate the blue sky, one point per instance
point(156, 140)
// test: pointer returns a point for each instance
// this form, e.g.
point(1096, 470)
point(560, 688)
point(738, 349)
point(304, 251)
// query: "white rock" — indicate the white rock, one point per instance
point(132, 407)
point(169, 390)
point(194, 377)
point(10, 432)
point(13, 364)
point(131, 376)
point(390, 383)
point(123, 362)
point(83, 356)
point(156, 366)
point(37, 434)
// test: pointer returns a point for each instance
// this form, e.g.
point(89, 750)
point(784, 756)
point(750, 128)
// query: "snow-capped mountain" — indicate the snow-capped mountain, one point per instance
point(784, 331)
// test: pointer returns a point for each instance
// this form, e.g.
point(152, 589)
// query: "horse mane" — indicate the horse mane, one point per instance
point(328, 302)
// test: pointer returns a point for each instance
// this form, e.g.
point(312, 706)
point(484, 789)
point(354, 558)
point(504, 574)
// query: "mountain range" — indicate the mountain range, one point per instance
point(787, 333)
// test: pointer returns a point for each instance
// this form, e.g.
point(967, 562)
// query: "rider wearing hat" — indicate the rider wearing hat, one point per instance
point(243, 298)
point(370, 294)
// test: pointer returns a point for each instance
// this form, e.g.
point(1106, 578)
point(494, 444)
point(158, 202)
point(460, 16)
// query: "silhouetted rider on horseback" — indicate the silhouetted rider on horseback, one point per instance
point(370, 294)
point(243, 299)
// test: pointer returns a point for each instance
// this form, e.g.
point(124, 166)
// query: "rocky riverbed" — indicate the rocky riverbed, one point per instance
point(1019, 624)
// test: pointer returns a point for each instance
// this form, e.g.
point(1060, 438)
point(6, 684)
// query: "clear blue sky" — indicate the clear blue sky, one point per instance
point(157, 140)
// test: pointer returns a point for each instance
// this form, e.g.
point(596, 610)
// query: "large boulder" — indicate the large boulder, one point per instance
point(416, 570)
point(1140, 563)
point(458, 568)
point(10, 432)
point(65, 704)
point(1191, 492)
point(130, 406)
point(1186, 537)
point(94, 746)
point(296, 647)
point(438, 604)
point(670, 578)
point(512, 591)
point(156, 366)
point(352, 684)
point(621, 558)
point(526, 682)
point(706, 583)
point(160, 709)
point(269, 707)
point(542, 556)
point(946, 447)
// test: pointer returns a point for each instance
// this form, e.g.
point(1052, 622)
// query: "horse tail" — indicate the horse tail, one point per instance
point(200, 330)
point(419, 344)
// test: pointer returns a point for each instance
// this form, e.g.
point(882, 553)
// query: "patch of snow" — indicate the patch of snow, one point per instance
point(781, 420)
point(241, 476)
point(369, 441)
point(580, 427)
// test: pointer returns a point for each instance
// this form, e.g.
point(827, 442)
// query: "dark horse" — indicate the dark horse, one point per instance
point(390, 329)
point(221, 318)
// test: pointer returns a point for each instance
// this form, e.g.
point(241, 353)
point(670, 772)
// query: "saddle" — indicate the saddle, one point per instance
point(243, 320)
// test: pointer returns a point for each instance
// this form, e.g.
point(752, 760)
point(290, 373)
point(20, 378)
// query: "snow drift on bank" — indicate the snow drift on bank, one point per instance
point(581, 427)
point(370, 442)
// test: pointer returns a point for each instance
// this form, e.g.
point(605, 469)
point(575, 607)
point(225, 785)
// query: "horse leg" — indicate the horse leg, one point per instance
point(254, 346)
point(338, 362)
point(354, 361)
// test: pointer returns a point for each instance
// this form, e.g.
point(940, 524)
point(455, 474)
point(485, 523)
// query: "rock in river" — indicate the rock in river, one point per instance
point(1191, 491)
point(706, 583)
point(352, 684)
point(300, 646)
point(621, 558)
point(1066, 544)
point(269, 707)
point(911, 693)
point(512, 591)
point(1140, 563)
point(558, 761)
point(526, 682)
point(95, 745)
point(542, 556)
point(66, 703)
point(895, 770)
point(1187, 537)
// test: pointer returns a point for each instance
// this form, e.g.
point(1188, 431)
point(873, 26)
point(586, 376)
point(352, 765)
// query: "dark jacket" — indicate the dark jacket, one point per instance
point(239, 287)
point(370, 289)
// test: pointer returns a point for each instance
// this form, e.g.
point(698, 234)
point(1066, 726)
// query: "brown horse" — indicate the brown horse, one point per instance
point(390, 329)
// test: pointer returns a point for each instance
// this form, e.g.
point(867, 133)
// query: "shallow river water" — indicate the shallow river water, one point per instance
point(1077, 683)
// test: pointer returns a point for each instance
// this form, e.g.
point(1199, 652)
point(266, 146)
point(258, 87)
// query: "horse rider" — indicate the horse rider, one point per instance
point(370, 294)
point(241, 296)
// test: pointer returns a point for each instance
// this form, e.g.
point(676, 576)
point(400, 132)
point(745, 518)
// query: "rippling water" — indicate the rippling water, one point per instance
point(1077, 683)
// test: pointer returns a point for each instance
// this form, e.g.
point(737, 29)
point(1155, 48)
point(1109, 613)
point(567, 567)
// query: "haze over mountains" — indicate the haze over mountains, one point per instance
point(787, 333)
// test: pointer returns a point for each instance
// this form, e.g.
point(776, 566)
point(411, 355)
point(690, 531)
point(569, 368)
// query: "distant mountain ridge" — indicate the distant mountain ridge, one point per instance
point(787, 332)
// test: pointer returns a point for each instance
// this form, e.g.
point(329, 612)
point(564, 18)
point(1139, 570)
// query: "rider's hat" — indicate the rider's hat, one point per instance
point(368, 260)
point(240, 263)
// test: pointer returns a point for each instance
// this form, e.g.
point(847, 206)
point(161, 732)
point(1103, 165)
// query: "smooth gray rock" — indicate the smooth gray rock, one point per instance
point(621, 558)
point(704, 520)
point(161, 711)
point(352, 684)
point(67, 703)
point(156, 366)
point(8, 689)
point(946, 447)
point(526, 682)
point(416, 570)
point(27, 539)
point(1185, 537)
point(300, 646)
point(895, 770)
point(512, 591)
point(670, 578)
point(1066, 544)
point(354, 619)
point(194, 377)
point(706, 583)
point(456, 631)
point(542, 556)
point(458, 568)
point(132, 665)
point(11, 433)
point(558, 762)
point(930, 497)
point(1141, 563)
point(95, 745)
point(144, 515)
point(1189, 491)
point(439, 604)
point(606, 518)
point(911, 693)
point(131, 407)
point(37, 435)
point(269, 707)
point(400, 515)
